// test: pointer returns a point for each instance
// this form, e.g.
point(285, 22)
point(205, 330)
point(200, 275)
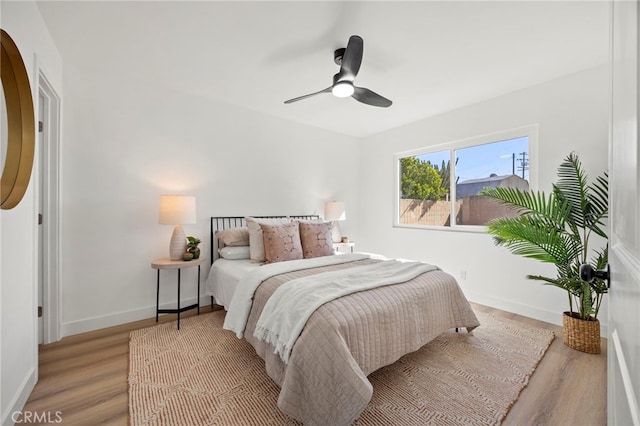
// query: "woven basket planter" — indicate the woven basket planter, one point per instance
point(579, 334)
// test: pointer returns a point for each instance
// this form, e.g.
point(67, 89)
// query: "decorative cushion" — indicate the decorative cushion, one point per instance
point(234, 252)
point(256, 242)
point(316, 239)
point(281, 242)
point(234, 236)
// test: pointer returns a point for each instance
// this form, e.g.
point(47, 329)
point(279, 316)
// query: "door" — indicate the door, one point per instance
point(623, 369)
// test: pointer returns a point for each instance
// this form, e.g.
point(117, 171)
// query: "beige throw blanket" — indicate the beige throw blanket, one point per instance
point(325, 381)
point(290, 306)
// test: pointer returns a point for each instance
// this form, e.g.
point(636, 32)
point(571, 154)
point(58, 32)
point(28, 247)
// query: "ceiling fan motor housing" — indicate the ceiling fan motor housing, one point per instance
point(338, 55)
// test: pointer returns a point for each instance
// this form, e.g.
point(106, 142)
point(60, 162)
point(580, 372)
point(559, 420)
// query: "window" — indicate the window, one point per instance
point(439, 186)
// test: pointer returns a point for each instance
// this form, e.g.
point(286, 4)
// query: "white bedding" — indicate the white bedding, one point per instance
point(224, 277)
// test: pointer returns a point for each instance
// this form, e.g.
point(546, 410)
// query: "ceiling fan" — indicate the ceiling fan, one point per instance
point(349, 59)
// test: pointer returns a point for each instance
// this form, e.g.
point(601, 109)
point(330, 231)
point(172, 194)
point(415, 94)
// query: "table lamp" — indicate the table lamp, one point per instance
point(333, 212)
point(177, 210)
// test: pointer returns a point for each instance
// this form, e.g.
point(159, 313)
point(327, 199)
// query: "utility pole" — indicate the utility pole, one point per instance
point(524, 163)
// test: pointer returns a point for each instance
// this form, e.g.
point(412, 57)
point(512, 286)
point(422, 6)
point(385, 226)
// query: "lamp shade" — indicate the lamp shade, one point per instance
point(334, 210)
point(177, 210)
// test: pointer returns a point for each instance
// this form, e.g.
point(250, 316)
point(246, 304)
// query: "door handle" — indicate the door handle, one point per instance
point(588, 274)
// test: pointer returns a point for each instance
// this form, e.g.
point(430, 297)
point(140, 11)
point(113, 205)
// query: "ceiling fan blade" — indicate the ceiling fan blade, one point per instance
point(299, 98)
point(352, 59)
point(370, 97)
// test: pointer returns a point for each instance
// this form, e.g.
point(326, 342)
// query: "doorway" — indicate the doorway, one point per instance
point(48, 204)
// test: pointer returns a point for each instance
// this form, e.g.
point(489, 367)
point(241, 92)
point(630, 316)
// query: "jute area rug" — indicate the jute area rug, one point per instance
point(202, 375)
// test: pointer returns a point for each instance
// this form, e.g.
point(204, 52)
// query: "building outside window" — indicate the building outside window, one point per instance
point(438, 187)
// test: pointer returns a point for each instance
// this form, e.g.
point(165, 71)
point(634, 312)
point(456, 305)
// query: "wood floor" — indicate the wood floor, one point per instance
point(84, 378)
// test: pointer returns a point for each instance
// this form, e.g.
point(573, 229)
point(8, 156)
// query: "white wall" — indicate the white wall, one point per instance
point(126, 142)
point(572, 114)
point(19, 350)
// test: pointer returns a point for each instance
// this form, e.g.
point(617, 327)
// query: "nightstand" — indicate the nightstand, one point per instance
point(179, 265)
point(341, 247)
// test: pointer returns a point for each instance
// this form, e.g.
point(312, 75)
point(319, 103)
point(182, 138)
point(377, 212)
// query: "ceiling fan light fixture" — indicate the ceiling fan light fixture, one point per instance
point(342, 89)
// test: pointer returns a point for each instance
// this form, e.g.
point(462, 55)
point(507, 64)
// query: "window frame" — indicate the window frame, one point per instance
point(530, 131)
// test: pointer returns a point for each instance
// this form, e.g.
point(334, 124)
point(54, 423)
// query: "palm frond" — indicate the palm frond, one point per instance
point(549, 281)
point(589, 203)
point(544, 208)
point(599, 193)
point(515, 198)
point(599, 262)
point(572, 186)
point(599, 204)
point(532, 238)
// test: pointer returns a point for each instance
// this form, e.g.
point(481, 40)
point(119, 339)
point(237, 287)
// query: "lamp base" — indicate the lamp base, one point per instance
point(336, 235)
point(178, 244)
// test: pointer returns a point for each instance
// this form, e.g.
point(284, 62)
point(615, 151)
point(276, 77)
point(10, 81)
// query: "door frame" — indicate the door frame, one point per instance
point(49, 202)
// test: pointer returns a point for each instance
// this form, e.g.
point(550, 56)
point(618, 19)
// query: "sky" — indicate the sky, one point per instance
point(482, 160)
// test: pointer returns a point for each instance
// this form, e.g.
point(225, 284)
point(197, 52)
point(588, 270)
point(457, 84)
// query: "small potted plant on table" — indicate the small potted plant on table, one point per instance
point(192, 246)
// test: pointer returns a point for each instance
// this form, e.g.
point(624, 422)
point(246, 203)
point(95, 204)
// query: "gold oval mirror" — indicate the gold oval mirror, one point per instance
point(20, 134)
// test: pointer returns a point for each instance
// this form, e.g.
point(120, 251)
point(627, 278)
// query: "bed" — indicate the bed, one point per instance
point(323, 323)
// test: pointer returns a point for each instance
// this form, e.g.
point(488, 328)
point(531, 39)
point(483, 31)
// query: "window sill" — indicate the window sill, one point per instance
point(472, 229)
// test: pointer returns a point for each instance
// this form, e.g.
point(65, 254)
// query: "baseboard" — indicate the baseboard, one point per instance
point(20, 399)
point(123, 317)
point(534, 312)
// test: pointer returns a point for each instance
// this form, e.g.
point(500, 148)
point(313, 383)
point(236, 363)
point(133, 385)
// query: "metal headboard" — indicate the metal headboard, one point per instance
point(220, 223)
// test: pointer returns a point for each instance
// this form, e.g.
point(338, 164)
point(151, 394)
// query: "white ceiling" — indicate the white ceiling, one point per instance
point(428, 57)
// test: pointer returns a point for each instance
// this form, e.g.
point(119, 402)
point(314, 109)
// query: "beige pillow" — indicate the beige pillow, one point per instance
point(234, 236)
point(281, 242)
point(256, 243)
point(316, 239)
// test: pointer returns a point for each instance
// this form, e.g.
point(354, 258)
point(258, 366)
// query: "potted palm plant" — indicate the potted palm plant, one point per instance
point(558, 228)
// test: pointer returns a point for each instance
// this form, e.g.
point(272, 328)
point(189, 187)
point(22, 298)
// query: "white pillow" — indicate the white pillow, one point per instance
point(256, 242)
point(234, 252)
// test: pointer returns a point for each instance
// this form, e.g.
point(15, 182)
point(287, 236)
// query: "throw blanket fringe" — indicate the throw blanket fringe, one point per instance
point(288, 309)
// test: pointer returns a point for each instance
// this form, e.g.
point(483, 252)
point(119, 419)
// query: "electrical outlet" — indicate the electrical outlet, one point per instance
point(463, 274)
